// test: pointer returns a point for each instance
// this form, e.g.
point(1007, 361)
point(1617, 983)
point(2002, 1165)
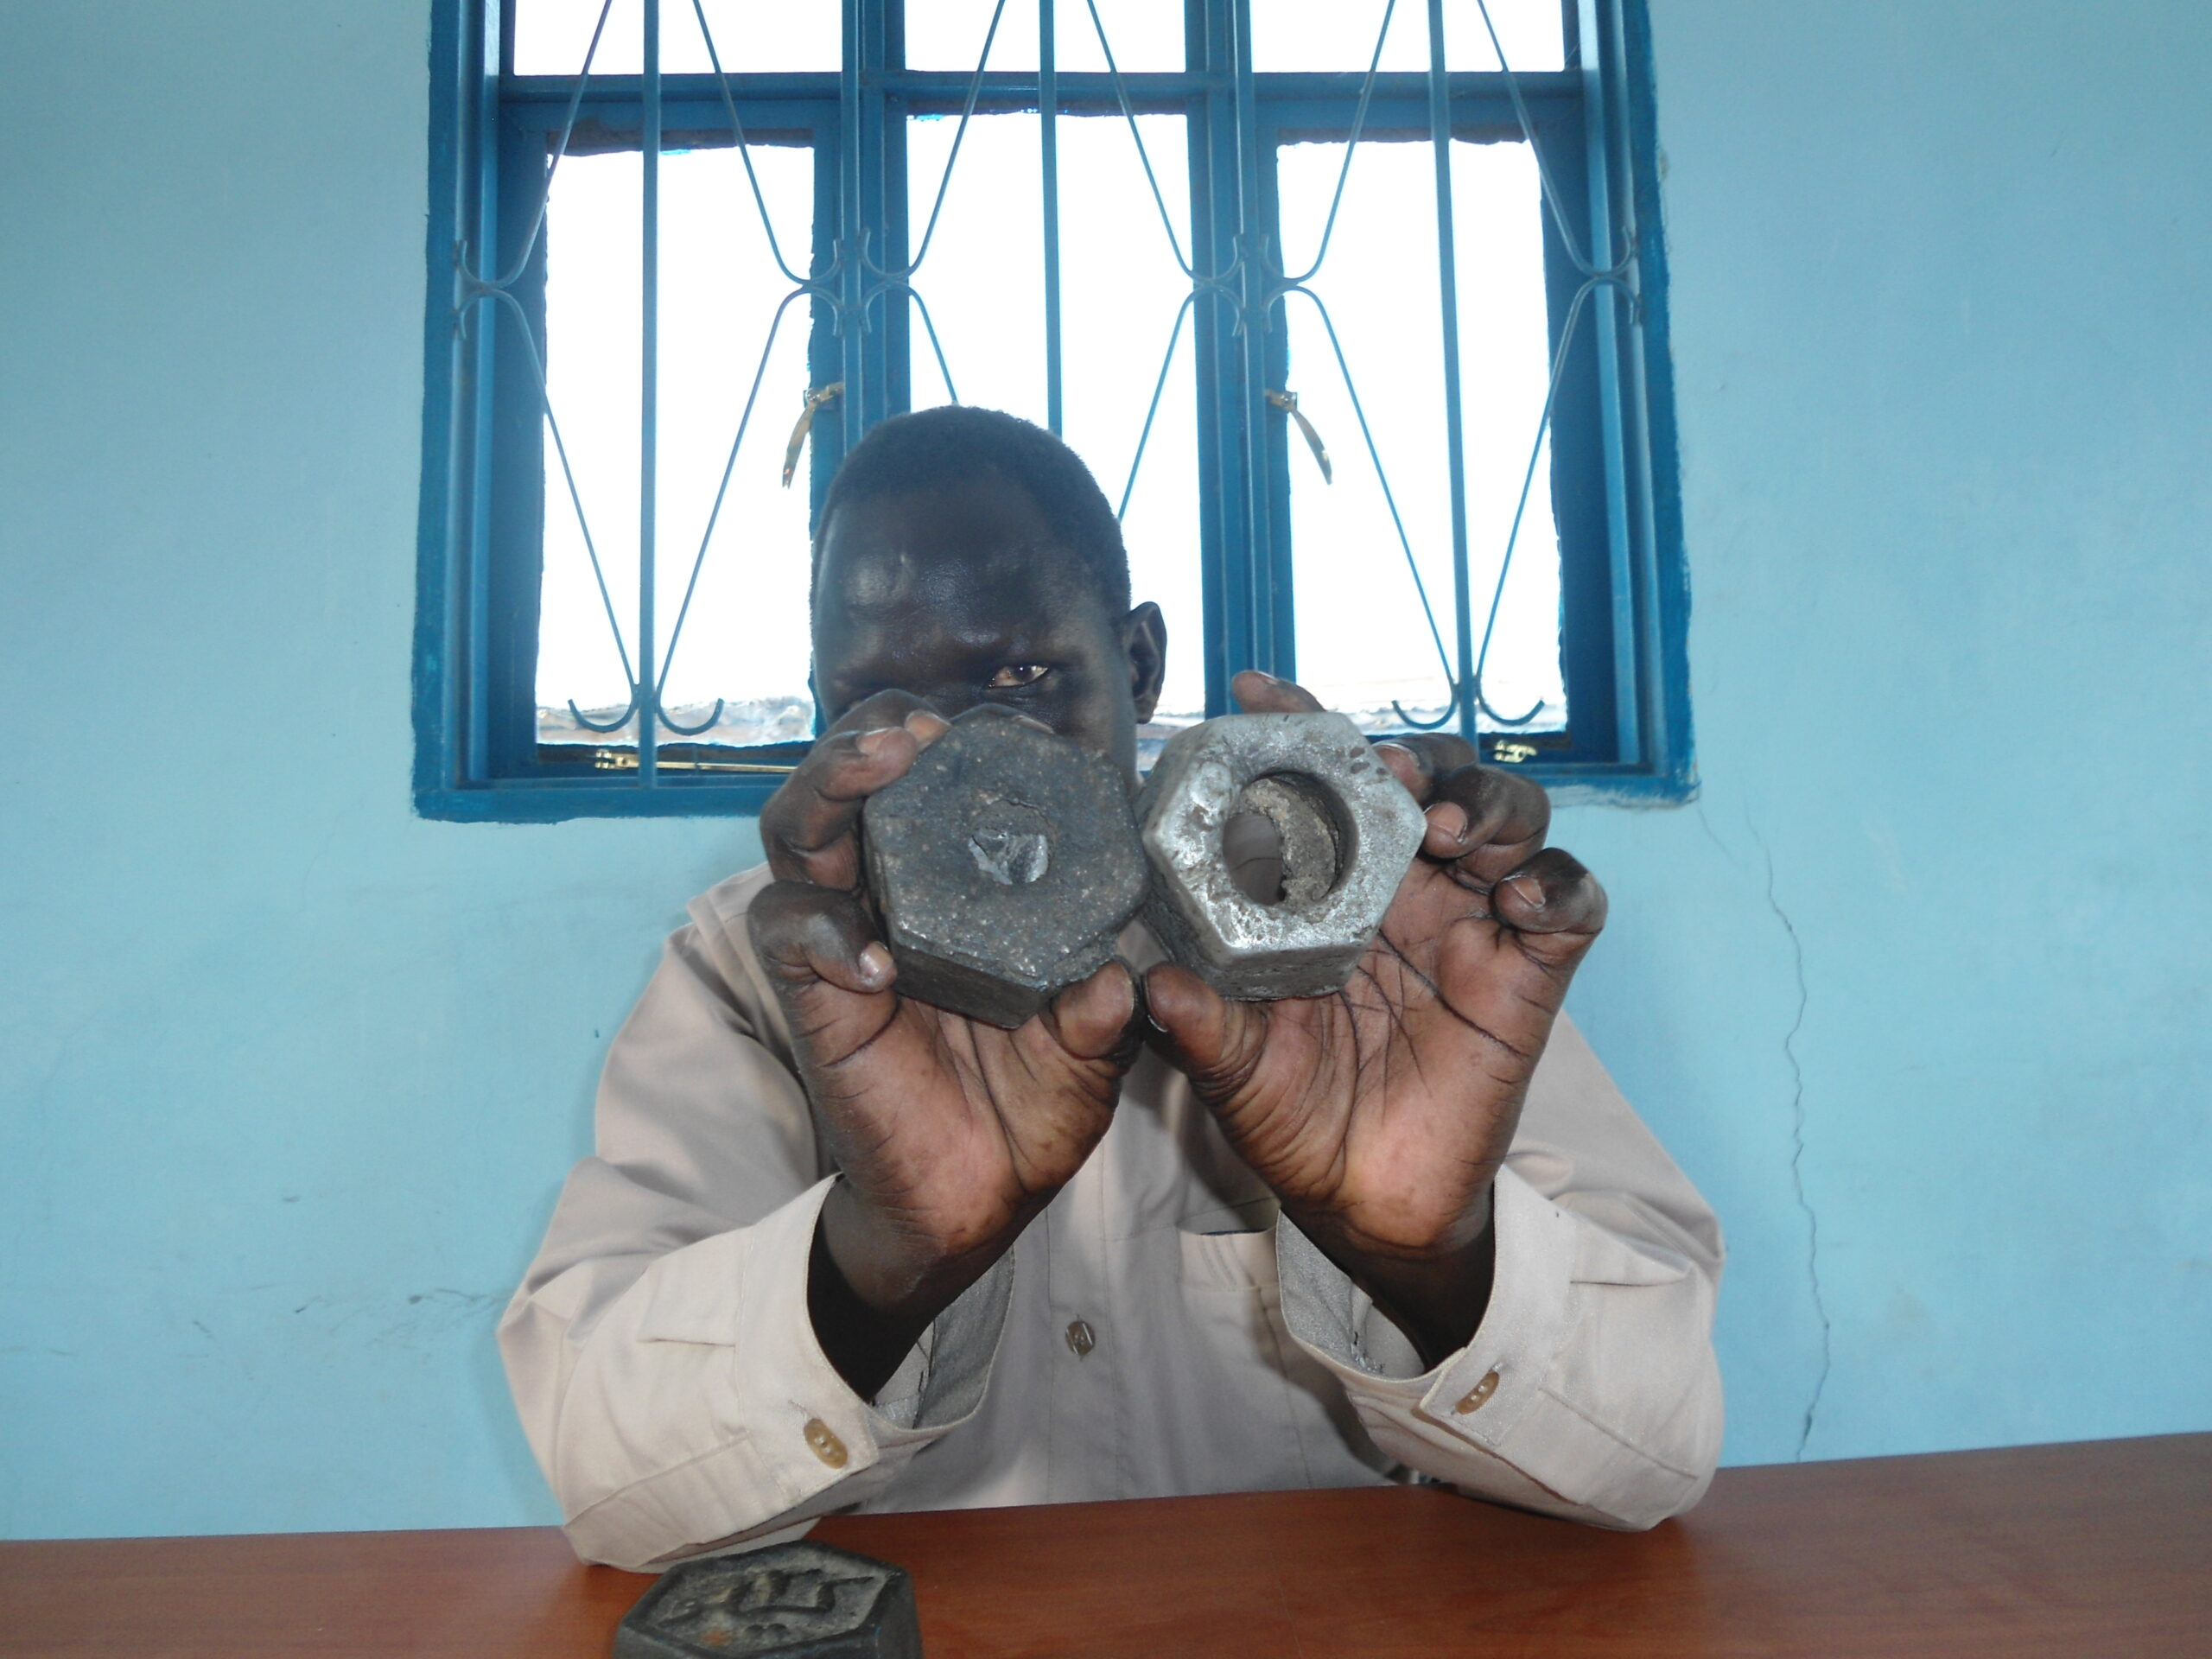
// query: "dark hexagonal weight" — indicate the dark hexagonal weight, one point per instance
point(1003, 865)
point(1346, 827)
point(800, 1600)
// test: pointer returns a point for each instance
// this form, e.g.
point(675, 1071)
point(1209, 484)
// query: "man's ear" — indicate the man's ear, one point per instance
point(1144, 641)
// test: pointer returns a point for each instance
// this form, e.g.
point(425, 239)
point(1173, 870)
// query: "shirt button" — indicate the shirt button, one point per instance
point(1476, 1395)
point(1081, 1339)
point(826, 1446)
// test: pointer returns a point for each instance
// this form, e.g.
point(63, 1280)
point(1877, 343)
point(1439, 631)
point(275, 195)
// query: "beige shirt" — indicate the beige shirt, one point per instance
point(1155, 1331)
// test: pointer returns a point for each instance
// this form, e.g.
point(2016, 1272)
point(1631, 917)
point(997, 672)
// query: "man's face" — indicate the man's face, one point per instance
point(963, 596)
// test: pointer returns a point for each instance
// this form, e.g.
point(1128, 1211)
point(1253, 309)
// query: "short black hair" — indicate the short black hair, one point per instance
point(931, 448)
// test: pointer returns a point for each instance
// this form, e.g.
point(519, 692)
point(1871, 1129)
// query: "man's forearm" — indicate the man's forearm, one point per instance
point(868, 1307)
point(1436, 1298)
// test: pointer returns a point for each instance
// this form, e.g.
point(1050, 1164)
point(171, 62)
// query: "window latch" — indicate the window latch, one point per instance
point(816, 397)
point(1287, 402)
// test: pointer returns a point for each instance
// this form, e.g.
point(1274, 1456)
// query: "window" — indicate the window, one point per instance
point(1362, 330)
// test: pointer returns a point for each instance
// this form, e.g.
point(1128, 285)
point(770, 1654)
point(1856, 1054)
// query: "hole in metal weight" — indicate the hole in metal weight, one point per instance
point(1284, 843)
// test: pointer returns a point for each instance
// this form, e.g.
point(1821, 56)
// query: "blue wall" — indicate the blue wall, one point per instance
point(289, 1076)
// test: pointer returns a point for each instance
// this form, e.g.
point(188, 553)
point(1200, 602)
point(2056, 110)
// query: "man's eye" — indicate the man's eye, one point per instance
point(1015, 674)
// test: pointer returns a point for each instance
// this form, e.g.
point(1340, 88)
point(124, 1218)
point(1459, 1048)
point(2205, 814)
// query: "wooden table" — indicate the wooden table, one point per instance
point(2102, 1549)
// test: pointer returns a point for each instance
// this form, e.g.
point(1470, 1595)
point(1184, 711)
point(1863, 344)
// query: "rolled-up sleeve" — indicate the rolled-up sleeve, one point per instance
point(1590, 1389)
point(660, 1349)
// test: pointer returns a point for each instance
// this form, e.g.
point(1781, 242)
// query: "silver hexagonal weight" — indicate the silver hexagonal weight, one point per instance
point(1348, 830)
point(1002, 866)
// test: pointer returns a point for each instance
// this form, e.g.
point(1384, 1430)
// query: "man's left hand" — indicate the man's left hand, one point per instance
point(1380, 1115)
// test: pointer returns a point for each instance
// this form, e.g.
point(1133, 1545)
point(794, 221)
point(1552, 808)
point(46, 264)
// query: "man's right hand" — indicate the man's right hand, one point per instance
point(951, 1134)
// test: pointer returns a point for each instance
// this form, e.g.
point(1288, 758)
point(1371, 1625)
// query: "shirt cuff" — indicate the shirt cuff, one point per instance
point(785, 1438)
point(941, 1381)
point(899, 1402)
point(1481, 1392)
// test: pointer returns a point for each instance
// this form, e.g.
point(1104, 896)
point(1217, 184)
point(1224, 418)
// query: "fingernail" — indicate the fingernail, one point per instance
point(1264, 674)
point(1395, 748)
point(1452, 819)
point(873, 742)
point(925, 725)
point(874, 963)
point(1530, 890)
point(1033, 723)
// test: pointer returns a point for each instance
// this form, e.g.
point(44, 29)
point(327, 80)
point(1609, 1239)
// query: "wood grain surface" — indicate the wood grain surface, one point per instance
point(2099, 1549)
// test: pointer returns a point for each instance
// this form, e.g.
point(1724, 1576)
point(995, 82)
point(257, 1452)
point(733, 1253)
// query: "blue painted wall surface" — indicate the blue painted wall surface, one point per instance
point(288, 1077)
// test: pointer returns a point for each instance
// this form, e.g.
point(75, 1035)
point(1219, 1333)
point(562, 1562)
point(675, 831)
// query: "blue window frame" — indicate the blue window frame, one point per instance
point(1599, 464)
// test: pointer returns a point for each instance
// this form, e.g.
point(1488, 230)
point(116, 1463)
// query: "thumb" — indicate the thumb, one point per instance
point(1215, 1043)
point(1264, 693)
point(1091, 1018)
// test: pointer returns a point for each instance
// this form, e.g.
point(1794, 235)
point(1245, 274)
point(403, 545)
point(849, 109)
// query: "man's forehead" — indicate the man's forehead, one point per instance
point(865, 578)
point(979, 544)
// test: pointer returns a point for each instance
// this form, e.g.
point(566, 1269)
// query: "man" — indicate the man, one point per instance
point(839, 1247)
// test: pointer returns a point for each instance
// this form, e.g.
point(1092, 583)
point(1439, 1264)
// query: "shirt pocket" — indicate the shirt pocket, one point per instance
point(1602, 1257)
point(1270, 1416)
point(1241, 1261)
point(1225, 1420)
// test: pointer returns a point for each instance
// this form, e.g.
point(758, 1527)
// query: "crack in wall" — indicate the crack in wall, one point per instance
point(1797, 1152)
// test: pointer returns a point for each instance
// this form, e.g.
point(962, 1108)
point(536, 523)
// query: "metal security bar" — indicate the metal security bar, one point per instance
point(495, 431)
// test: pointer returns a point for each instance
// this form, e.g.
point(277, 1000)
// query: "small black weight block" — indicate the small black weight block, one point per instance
point(800, 1600)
